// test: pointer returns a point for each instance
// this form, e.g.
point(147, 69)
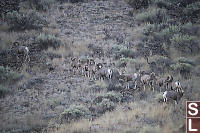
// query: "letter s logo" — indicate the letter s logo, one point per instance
point(193, 108)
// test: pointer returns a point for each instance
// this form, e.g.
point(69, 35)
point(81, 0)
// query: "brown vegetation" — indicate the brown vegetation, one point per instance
point(90, 66)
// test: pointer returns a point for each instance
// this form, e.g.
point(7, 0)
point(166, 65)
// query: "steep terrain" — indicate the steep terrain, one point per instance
point(45, 95)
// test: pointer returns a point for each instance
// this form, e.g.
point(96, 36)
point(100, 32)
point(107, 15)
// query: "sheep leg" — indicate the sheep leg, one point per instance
point(135, 87)
point(164, 99)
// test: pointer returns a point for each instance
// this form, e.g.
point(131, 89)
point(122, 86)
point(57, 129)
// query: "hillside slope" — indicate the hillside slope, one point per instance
point(49, 97)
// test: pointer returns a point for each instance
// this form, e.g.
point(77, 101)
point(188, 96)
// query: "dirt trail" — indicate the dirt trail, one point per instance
point(103, 23)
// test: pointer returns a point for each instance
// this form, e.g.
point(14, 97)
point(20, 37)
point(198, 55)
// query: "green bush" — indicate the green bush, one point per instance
point(162, 32)
point(186, 60)
point(74, 113)
point(162, 63)
point(138, 4)
point(46, 41)
point(154, 15)
point(150, 28)
point(112, 96)
point(22, 21)
point(116, 48)
point(115, 87)
point(127, 52)
point(186, 43)
point(4, 91)
point(166, 34)
point(8, 76)
point(196, 71)
point(192, 11)
point(181, 67)
point(163, 4)
point(120, 50)
point(122, 62)
point(105, 105)
point(191, 29)
point(159, 97)
point(42, 5)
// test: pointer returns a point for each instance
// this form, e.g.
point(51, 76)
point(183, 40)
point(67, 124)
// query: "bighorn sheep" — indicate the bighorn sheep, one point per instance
point(99, 66)
point(136, 78)
point(173, 95)
point(178, 86)
point(86, 70)
point(105, 73)
point(126, 78)
point(160, 82)
point(73, 65)
point(22, 50)
point(109, 73)
point(92, 67)
point(148, 80)
point(168, 82)
point(80, 66)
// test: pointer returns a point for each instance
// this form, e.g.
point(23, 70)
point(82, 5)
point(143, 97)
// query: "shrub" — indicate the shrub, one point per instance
point(138, 4)
point(4, 91)
point(8, 76)
point(167, 33)
point(162, 63)
point(115, 51)
point(74, 113)
point(127, 52)
point(46, 41)
point(192, 11)
point(163, 4)
point(155, 15)
point(42, 5)
point(185, 67)
point(122, 62)
point(159, 97)
point(115, 87)
point(161, 32)
point(22, 21)
point(120, 50)
point(186, 60)
point(197, 70)
point(105, 105)
point(186, 43)
point(191, 29)
point(150, 28)
point(99, 86)
point(8, 6)
point(112, 96)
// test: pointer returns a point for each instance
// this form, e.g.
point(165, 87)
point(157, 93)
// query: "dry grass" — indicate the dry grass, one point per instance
point(122, 120)
point(53, 31)
point(27, 123)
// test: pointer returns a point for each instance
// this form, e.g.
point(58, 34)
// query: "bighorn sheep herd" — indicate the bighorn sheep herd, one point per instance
point(99, 70)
